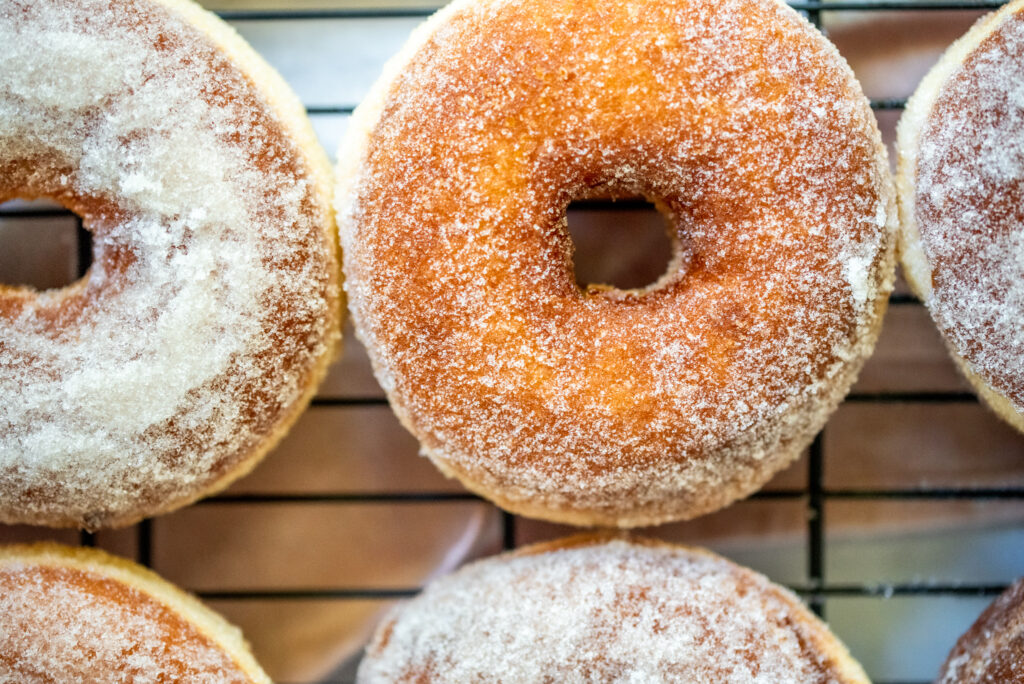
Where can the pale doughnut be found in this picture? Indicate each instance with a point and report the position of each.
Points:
(961, 187)
(741, 122)
(83, 616)
(212, 307)
(591, 609)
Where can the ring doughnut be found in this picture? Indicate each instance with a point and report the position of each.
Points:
(81, 615)
(961, 189)
(992, 650)
(212, 306)
(592, 609)
(603, 406)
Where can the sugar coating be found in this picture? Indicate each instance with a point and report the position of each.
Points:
(70, 626)
(209, 302)
(992, 650)
(965, 205)
(610, 612)
(615, 407)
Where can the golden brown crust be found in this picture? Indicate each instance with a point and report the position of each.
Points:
(81, 615)
(597, 595)
(992, 650)
(217, 427)
(609, 407)
(960, 201)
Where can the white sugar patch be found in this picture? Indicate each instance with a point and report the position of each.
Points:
(969, 208)
(55, 629)
(859, 264)
(147, 389)
(858, 274)
(613, 612)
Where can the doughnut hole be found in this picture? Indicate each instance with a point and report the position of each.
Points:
(43, 245)
(623, 245)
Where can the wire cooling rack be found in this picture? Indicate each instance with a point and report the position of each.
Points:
(808, 489)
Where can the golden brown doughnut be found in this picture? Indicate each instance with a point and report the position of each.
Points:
(992, 650)
(596, 609)
(80, 615)
(610, 407)
(961, 187)
(212, 306)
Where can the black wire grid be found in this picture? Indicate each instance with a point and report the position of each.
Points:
(814, 494)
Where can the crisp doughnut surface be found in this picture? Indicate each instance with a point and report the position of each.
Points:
(79, 615)
(212, 306)
(992, 650)
(961, 185)
(592, 609)
(604, 406)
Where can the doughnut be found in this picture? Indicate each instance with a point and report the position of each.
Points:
(596, 609)
(213, 303)
(961, 191)
(601, 406)
(992, 650)
(80, 615)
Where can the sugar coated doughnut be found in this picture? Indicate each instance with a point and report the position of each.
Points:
(213, 303)
(80, 615)
(592, 609)
(961, 187)
(992, 650)
(598, 405)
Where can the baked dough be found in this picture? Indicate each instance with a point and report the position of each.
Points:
(961, 186)
(992, 650)
(595, 609)
(213, 303)
(83, 616)
(610, 407)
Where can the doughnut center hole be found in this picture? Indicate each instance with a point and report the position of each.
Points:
(623, 244)
(43, 245)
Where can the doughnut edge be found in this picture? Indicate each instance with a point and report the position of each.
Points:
(825, 642)
(829, 644)
(208, 622)
(352, 152)
(916, 268)
(990, 626)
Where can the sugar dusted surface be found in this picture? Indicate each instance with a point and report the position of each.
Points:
(968, 207)
(612, 612)
(71, 626)
(992, 650)
(616, 407)
(209, 303)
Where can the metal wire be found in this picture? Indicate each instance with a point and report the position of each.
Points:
(808, 6)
